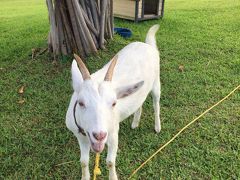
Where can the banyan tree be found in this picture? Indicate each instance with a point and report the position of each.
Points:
(79, 26)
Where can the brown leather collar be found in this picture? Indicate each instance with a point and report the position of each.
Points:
(80, 129)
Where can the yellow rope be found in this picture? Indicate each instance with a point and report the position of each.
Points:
(97, 170)
(154, 154)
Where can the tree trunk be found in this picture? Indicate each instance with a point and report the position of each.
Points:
(79, 26)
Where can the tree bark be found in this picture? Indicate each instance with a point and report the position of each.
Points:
(79, 26)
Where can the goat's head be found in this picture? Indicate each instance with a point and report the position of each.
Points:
(96, 102)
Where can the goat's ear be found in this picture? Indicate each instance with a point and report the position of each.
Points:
(76, 76)
(128, 90)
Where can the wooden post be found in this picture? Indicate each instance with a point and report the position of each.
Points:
(79, 26)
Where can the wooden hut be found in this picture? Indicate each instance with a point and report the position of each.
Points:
(138, 10)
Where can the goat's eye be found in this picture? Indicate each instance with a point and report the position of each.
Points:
(114, 103)
(81, 104)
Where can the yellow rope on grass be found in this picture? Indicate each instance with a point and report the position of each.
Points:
(97, 170)
(185, 127)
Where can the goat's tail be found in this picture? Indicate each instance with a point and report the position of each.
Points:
(150, 38)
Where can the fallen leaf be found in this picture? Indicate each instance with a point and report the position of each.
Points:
(33, 53)
(181, 68)
(54, 62)
(43, 51)
(21, 101)
(21, 90)
(208, 63)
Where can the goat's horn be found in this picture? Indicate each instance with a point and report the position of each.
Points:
(109, 74)
(84, 71)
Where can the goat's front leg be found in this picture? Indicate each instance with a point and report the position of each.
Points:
(111, 156)
(84, 157)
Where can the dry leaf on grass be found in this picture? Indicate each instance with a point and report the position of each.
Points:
(21, 90)
(54, 62)
(43, 51)
(21, 101)
(33, 53)
(181, 68)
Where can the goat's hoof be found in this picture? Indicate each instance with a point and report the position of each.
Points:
(133, 126)
(85, 178)
(113, 177)
(158, 129)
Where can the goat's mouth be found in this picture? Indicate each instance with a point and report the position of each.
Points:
(97, 147)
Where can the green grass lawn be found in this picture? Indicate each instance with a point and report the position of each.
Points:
(201, 35)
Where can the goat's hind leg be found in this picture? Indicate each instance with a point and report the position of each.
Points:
(136, 118)
(156, 92)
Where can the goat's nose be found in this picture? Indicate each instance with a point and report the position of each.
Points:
(99, 136)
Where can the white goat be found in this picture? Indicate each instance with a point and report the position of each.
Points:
(101, 100)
